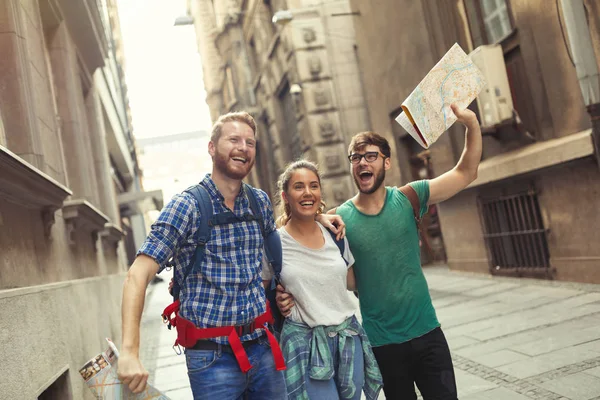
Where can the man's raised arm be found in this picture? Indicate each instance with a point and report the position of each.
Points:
(447, 185)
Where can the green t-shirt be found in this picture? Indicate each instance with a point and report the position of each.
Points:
(394, 297)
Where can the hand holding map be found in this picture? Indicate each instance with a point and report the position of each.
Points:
(100, 375)
(453, 80)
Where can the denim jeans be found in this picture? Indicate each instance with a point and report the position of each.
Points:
(327, 390)
(425, 361)
(215, 374)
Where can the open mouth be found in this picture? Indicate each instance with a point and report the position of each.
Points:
(307, 203)
(240, 159)
(365, 176)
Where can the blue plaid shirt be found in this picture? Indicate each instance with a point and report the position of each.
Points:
(228, 289)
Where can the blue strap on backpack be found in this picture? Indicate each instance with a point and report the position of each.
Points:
(341, 244)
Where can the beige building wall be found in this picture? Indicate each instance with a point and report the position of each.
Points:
(550, 154)
(300, 81)
(65, 154)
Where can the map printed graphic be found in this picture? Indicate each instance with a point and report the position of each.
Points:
(426, 112)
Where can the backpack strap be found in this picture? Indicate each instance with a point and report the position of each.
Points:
(272, 241)
(341, 244)
(413, 197)
(202, 235)
(251, 194)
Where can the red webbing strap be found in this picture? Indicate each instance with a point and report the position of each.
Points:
(191, 334)
(171, 309)
(276, 350)
(209, 333)
(239, 352)
(267, 318)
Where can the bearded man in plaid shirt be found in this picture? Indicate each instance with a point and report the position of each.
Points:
(227, 291)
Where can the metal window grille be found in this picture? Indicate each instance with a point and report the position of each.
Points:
(514, 233)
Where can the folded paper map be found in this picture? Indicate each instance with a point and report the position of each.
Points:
(100, 375)
(453, 80)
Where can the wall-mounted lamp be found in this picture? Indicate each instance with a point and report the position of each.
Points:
(184, 20)
(295, 89)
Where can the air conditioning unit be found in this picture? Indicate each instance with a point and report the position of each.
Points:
(495, 100)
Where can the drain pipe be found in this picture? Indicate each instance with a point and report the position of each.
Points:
(582, 50)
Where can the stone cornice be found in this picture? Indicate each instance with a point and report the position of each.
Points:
(79, 214)
(535, 157)
(112, 233)
(22, 183)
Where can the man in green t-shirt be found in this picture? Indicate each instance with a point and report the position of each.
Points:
(396, 307)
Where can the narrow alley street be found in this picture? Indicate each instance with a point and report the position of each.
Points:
(511, 339)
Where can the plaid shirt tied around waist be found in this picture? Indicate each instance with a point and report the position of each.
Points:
(228, 289)
(308, 357)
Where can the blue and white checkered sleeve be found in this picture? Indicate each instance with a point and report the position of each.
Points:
(170, 230)
(267, 211)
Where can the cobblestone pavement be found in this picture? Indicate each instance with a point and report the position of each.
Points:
(520, 338)
(511, 339)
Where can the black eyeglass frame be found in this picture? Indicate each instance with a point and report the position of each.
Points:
(372, 154)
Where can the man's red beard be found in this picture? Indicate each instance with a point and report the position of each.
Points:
(222, 164)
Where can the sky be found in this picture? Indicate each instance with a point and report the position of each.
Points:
(163, 69)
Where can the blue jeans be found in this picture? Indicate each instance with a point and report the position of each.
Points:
(215, 374)
(327, 390)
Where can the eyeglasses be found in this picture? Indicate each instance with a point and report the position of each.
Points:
(370, 156)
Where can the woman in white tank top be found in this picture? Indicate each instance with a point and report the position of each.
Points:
(326, 349)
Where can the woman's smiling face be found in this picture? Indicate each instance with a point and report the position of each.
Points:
(303, 194)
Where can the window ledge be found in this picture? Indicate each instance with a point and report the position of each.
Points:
(111, 236)
(112, 233)
(81, 215)
(535, 157)
(23, 184)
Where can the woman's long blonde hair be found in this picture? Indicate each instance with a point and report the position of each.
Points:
(283, 185)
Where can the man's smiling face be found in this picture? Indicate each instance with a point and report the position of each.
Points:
(235, 150)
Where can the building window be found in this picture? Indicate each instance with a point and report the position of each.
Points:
(490, 20)
(496, 19)
(514, 231)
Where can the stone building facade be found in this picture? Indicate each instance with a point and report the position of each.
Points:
(67, 158)
(532, 210)
(300, 81)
